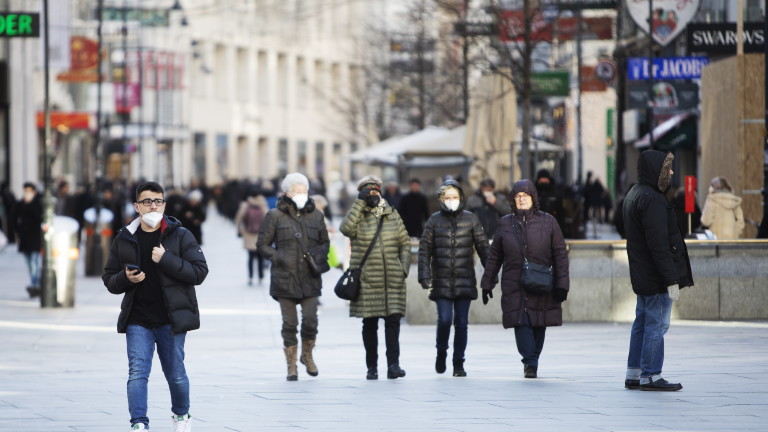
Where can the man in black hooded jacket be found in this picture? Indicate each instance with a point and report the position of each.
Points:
(658, 268)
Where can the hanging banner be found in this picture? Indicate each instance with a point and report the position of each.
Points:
(667, 96)
(669, 17)
(666, 68)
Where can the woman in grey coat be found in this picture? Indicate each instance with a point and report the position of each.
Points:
(295, 220)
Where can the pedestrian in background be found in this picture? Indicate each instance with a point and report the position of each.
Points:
(489, 206)
(722, 212)
(193, 214)
(382, 292)
(527, 233)
(28, 221)
(447, 269)
(392, 194)
(413, 208)
(248, 220)
(293, 283)
(155, 263)
(658, 267)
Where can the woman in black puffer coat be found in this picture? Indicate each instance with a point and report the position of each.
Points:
(447, 269)
(529, 314)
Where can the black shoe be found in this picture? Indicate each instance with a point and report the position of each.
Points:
(631, 384)
(33, 291)
(395, 372)
(530, 371)
(372, 374)
(458, 368)
(661, 385)
(440, 361)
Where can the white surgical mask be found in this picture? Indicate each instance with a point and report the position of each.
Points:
(152, 218)
(300, 200)
(452, 205)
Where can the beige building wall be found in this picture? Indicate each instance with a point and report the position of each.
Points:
(732, 130)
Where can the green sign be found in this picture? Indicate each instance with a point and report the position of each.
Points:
(552, 83)
(19, 24)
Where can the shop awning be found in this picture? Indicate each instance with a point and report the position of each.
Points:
(677, 132)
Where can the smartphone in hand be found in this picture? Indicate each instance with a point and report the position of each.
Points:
(134, 268)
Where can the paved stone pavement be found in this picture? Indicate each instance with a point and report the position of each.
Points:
(65, 369)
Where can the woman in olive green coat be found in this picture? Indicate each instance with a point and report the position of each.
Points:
(382, 292)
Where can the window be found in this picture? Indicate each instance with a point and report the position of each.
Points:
(262, 92)
(199, 155)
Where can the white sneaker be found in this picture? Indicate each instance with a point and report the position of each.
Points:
(182, 423)
(139, 426)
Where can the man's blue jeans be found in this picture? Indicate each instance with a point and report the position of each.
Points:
(33, 267)
(454, 312)
(646, 343)
(141, 343)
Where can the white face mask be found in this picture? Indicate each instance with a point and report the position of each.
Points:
(452, 205)
(152, 218)
(300, 200)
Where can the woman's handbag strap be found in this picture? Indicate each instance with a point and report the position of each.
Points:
(370, 247)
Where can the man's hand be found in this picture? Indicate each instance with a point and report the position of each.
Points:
(674, 292)
(133, 276)
(157, 253)
(486, 295)
(426, 284)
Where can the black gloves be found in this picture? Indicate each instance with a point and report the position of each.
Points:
(426, 284)
(559, 294)
(486, 295)
(364, 192)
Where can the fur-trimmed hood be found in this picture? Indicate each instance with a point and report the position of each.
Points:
(653, 169)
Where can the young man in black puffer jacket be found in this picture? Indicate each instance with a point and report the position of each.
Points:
(447, 269)
(156, 263)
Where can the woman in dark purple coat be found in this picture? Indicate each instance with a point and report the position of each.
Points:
(529, 314)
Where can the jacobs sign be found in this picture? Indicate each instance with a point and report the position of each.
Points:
(666, 68)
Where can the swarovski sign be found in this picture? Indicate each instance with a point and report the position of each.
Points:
(666, 68)
(721, 38)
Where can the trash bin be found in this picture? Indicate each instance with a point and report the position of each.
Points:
(98, 235)
(65, 253)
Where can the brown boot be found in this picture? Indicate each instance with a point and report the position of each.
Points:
(290, 358)
(306, 356)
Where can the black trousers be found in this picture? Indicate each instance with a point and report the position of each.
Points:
(391, 338)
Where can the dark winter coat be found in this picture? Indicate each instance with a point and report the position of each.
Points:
(291, 276)
(544, 245)
(658, 256)
(488, 214)
(382, 279)
(414, 210)
(182, 267)
(447, 249)
(27, 221)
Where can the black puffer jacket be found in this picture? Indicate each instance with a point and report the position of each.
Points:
(291, 277)
(447, 249)
(658, 256)
(182, 267)
(544, 245)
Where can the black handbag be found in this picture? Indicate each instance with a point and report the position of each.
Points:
(316, 258)
(534, 278)
(348, 287)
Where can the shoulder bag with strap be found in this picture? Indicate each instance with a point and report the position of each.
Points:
(348, 287)
(534, 278)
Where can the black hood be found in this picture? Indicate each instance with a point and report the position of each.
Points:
(462, 200)
(653, 169)
(528, 187)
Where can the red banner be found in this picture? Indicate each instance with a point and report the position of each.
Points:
(512, 28)
(690, 194)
